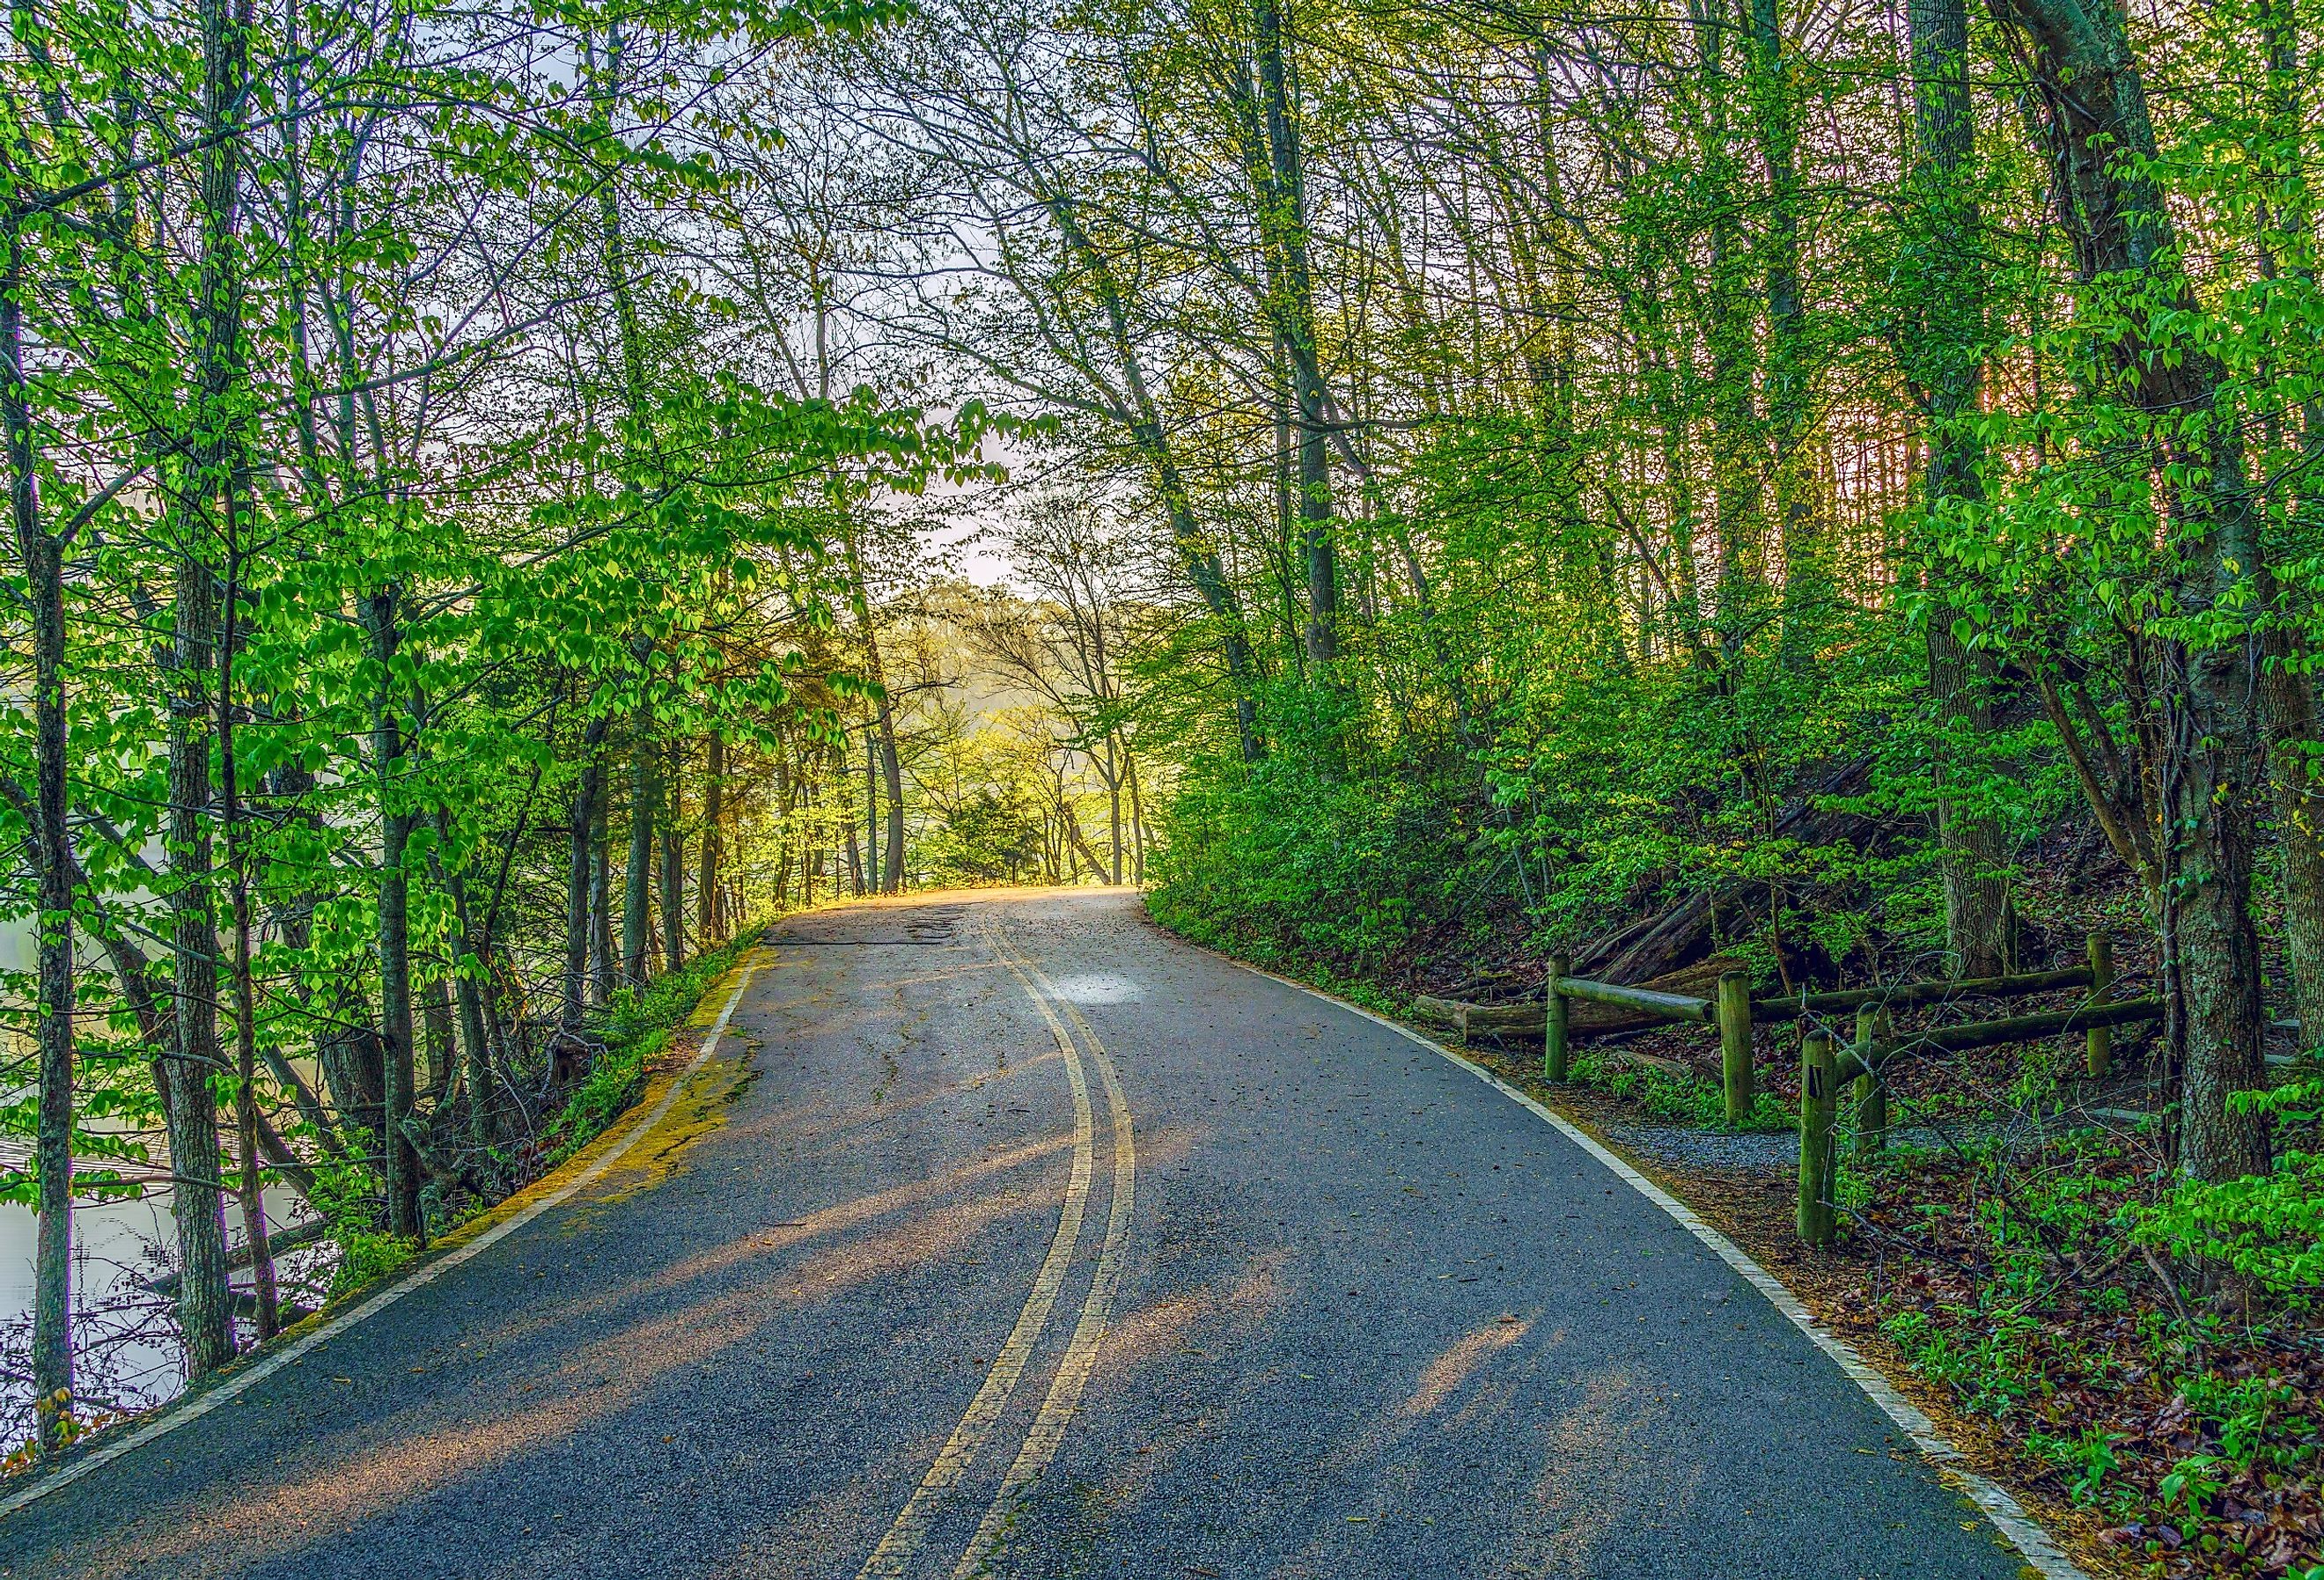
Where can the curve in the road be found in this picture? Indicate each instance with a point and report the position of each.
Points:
(1349, 1314)
(1057, 1413)
(905, 1537)
(2007, 1514)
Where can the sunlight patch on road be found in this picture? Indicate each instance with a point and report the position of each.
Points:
(1445, 1375)
(922, 1197)
(374, 1468)
(1602, 1440)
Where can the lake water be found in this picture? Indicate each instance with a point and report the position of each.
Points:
(130, 1353)
(128, 1348)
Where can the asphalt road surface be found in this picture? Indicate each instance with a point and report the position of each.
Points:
(1007, 1235)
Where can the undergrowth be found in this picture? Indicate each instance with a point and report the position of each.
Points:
(635, 1029)
(2027, 1283)
(1661, 1095)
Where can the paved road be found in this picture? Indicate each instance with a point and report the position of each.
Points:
(1036, 1244)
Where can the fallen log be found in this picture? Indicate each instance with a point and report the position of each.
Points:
(1682, 934)
(279, 1241)
(1518, 1020)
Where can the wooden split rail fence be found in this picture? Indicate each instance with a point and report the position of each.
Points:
(1735, 1012)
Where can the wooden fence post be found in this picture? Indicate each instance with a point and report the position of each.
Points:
(1817, 1103)
(1553, 1021)
(2098, 1044)
(1735, 1044)
(1872, 1029)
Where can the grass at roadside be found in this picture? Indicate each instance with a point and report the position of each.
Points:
(1672, 1099)
(638, 1027)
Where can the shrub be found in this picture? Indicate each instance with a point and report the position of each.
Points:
(2267, 1227)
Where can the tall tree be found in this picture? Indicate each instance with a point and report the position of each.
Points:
(1943, 343)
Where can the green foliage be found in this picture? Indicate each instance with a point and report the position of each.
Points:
(2088, 1457)
(367, 1255)
(1989, 1355)
(2267, 1227)
(991, 838)
(2256, 1420)
(615, 1078)
(347, 1196)
(1286, 862)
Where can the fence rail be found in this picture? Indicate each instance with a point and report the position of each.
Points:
(1821, 1070)
(1736, 1011)
(1779, 1008)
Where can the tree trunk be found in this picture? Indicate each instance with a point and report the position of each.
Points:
(1137, 816)
(871, 810)
(2289, 697)
(1283, 222)
(810, 857)
(891, 879)
(252, 1188)
(714, 809)
(1727, 333)
(601, 907)
(1807, 583)
(673, 864)
(205, 1299)
(205, 1303)
(783, 819)
(384, 622)
(1943, 353)
(43, 559)
(467, 962)
(637, 898)
(1113, 814)
(2211, 757)
(891, 769)
(579, 825)
(2217, 945)
(1969, 838)
(1197, 553)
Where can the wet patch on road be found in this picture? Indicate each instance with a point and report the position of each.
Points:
(1096, 988)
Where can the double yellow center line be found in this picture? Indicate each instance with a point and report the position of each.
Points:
(908, 1534)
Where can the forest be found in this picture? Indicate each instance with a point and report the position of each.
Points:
(505, 499)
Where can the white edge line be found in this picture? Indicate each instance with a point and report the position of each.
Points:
(426, 1272)
(2037, 1547)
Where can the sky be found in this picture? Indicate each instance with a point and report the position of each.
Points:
(977, 516)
